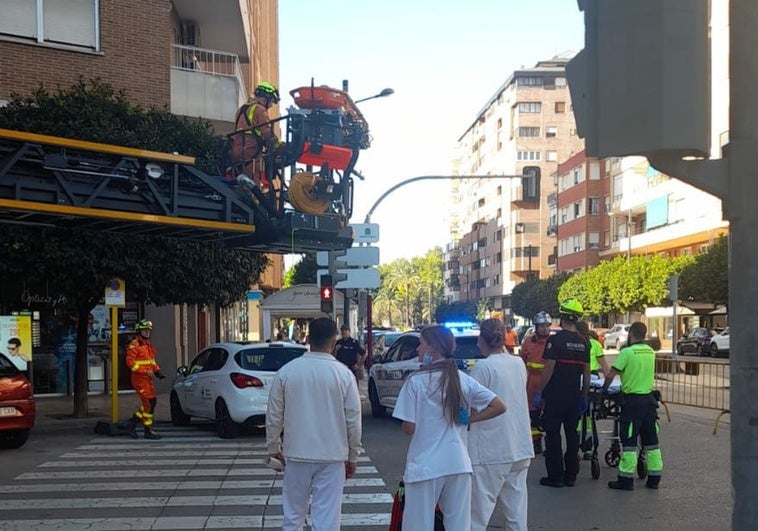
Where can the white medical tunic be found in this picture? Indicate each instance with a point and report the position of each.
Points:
(437, 449)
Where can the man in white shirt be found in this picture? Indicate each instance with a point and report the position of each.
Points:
(314, 399)
(501, 448)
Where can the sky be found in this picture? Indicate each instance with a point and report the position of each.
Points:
(444, 59)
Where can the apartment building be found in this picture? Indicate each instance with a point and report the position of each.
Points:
(198, 59)
(502, 231)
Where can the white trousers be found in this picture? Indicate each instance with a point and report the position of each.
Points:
(452, 493)
(321, 484)
(503, 482)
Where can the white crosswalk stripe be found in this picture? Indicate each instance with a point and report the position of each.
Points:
(186, 480)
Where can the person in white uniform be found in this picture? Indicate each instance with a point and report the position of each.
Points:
(436, 404)
(501, 448)
(314, 399)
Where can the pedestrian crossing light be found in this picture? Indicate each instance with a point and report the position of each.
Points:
(327, 294)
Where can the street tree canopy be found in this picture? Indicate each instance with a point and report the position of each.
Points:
(78, 263)
(706, 279)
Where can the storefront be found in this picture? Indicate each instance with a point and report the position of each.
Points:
(45, 328)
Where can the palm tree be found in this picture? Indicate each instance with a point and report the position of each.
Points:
(402, 278)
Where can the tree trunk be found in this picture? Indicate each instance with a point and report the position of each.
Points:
(81, 365)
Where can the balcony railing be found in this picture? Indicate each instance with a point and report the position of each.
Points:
(206, 83)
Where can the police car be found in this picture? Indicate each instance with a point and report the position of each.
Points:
(391, 369)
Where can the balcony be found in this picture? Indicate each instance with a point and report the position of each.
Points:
(206, 83)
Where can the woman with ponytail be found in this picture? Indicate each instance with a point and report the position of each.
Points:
(436, 405)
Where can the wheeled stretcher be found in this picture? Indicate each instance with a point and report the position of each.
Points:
(606, 407)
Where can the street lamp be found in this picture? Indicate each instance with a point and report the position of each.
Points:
(382, 94)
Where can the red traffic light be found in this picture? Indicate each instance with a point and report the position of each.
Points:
(326, 293)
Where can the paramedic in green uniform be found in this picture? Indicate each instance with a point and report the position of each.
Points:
(636, 366)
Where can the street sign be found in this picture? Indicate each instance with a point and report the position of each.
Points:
(365, 232)
(359, 278)
(360, 256)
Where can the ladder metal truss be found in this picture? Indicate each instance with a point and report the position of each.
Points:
(59, 182)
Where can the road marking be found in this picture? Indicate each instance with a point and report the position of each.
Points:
(93, 474)
(179, 522)
(171, 485)
(172, 501)
(172, 453)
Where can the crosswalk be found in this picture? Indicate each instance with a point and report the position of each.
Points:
(187, 480)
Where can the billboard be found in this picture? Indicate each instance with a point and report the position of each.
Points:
(16, 339)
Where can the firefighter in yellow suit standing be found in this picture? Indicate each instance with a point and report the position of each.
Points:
(140, 359)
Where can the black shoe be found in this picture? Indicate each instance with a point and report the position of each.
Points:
(621, 484)
(652, 482)
(547, 482)
(569, 481)
(150, 434)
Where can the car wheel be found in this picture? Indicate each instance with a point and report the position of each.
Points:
(679, 350)
(714, 350)
(226, 428)
(178, 416)
(700, 351)
(377, 410)
(11, 440)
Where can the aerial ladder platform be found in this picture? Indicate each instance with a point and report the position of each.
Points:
(63, 182)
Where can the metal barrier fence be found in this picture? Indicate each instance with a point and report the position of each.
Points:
(693, 383)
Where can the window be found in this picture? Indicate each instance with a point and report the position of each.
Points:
(563, 248)
(74, 22)
(560, 82)
(593, 240)
(530, 107)
(551, 156)
(607, 201)
(579, 209)
(551, 131)
(529, 155)
(578, 174)
(529, 81)
(529, 131)
(499, 123)
(560, 106)
(687, 251)
(564, 214)
(594, 171)
(594, 206)
(578, 242)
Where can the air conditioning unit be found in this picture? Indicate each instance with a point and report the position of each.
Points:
(190, 34)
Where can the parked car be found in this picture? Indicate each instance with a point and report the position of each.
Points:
(616, 336)
(229, 383)
(720, 343)
(696, 341)
(390, 370)
(17, 407)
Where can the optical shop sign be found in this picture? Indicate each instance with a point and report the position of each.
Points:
(16, 339)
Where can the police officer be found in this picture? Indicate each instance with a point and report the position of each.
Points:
(636, 366)
(565, 385)
(349, 351)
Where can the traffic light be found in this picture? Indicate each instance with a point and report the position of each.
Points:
(642, 83)
(327, 294)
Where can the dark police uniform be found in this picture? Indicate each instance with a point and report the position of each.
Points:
(349, 351)
(562, 396)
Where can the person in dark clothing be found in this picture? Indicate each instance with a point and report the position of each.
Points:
(565, 385)
(349, 351)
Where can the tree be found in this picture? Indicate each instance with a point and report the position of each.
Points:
(79, 263)
(537, 295)
(707, 278)
(303, 272)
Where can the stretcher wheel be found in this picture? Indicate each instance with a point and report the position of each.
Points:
(595, 468)
(612, 458)
(641, 466)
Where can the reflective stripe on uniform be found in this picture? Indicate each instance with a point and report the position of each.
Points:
(534, 365)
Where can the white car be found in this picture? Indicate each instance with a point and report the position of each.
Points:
(229, 383)
(720, 343)
(390, 370)
(617, 336)
(384, 342)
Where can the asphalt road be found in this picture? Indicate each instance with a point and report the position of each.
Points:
(67, 478)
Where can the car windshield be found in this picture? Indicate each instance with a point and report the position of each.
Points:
(466, 348)
(390, 338)
(267, 359)
(7, 368)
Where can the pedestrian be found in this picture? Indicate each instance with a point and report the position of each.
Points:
(531, 352)
(635, 364)
(140, 359)
(511, 339)
(565, 385)
(350, 352)
(255, 134)
(500, 448)
(597, 362)
(436, 405)
(314, 400)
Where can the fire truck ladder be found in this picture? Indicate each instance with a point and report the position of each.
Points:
(61, 182)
